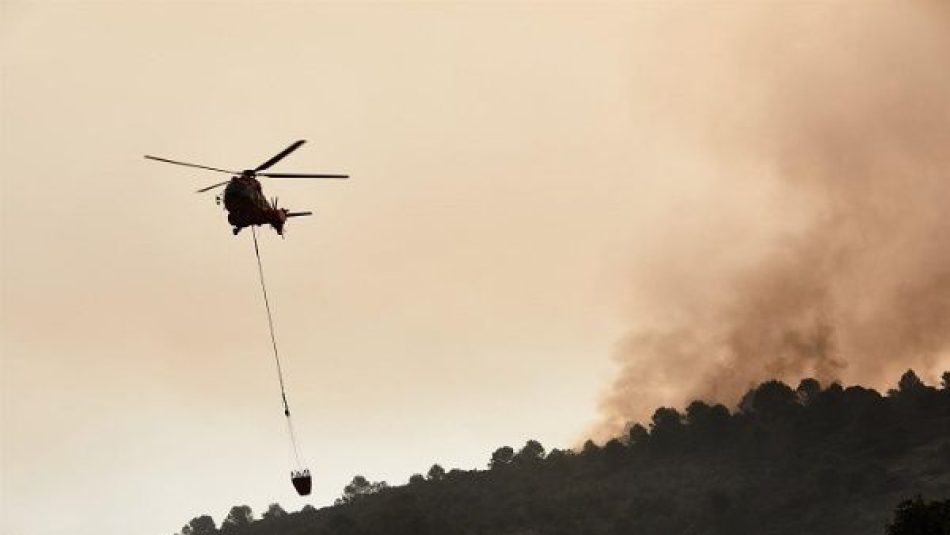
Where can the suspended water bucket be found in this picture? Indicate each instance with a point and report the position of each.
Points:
(302, 481)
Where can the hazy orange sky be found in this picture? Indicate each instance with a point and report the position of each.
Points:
(527, 180)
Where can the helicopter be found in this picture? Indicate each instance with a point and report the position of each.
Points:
(244, 198)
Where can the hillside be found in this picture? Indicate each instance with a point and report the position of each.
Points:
(806, 460)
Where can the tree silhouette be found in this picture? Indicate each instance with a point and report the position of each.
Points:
(436, 473)
(590, 449)
(202, 525)
(771, 398)
(910, 383)
(637, 435)
(558, 457)
(532, 452)
(501, 457)
(665, 426)
(696, 412)
(416, 479)
(808, 390)
(360, 487)
(666, 418)
(238, 517)
(274, 510)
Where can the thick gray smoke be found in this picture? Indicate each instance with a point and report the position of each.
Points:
(853, 125)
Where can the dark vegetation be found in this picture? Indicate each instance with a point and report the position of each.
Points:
(917, 517)
(787, 461)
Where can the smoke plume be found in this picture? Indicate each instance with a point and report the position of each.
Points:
(848, 121)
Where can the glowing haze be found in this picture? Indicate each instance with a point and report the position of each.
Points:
(731, 192)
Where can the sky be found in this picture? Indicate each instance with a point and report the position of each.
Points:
(534, 187)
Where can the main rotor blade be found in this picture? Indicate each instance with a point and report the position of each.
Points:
(280, 156)
(300, 175)
(156, 158)
(218, 185)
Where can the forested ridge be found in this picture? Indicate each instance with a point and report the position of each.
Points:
(805, 460)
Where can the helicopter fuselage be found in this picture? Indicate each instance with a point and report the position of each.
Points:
(246, 205)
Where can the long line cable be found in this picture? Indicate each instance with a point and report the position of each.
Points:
(273, 341)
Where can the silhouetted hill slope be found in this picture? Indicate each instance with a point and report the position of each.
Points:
(809, 460)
